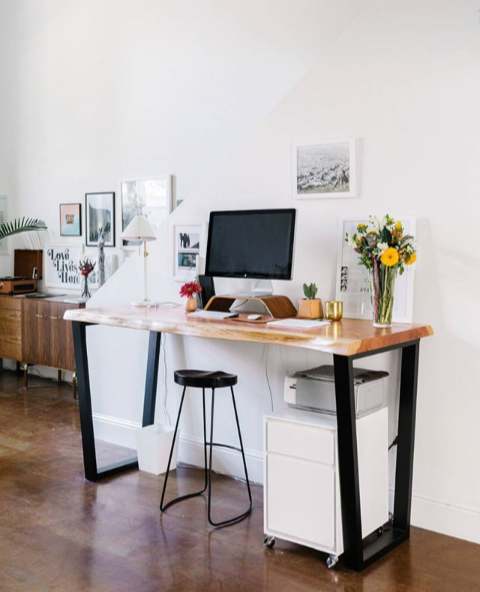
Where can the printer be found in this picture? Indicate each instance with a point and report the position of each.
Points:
(314, 390)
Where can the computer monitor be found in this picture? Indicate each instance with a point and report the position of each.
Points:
(256, 244)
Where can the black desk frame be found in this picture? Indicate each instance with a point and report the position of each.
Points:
(358, 554)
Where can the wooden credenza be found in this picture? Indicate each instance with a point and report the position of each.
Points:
(33, 331)
(10, 328)
(46, 336)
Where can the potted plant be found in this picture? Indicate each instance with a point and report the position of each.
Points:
(310, 307)
(188, 291)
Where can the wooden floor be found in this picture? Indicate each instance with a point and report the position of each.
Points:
(60, 533)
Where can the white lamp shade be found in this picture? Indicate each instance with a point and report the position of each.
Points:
(139, 229)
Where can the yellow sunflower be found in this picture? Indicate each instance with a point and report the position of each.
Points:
(389, 257)
(411, 259)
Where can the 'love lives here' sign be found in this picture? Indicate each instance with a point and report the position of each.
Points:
(61, 266)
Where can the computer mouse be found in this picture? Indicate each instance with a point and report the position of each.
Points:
(254, 317)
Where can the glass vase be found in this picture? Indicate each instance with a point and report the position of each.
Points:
(382, 286)
(85, 291)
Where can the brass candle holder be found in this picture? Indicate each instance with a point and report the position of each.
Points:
(334, 310)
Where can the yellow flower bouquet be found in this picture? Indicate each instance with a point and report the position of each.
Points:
(384, 249)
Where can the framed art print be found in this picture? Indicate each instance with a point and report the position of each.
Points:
(151, 198)
(71, 219)
(3, 219)
(353, 282)
(323, 169)
(188, 245)
(100, 213)
(61, 266)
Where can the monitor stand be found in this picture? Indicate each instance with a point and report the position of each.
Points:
(258, 288)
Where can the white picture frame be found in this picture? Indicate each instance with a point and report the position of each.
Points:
(150, 197)
(4, 244)
(188, 244)
(352, 284)
(61, 266)
(323, 169)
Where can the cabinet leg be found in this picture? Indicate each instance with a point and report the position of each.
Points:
(1, 365)
(25, 375)
(74, 385)
(59, 375)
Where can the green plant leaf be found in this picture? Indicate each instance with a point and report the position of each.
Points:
(20, 225)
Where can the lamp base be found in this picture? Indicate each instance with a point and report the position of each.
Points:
(144, 303)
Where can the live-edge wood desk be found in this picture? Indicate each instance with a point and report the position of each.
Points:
(347, 340)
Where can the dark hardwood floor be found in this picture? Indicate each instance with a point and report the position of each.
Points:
(60, 533)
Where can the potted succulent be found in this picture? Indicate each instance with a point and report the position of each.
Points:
(310, 307)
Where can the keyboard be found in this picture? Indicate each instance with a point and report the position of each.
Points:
(212, 314)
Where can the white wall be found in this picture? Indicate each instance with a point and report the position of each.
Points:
(8, 111)
(403, 78)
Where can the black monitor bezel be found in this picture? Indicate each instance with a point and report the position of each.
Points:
(214, 273)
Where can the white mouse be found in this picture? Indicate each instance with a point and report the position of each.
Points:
(254, 317)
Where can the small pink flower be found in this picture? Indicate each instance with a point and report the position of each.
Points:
(189, 289)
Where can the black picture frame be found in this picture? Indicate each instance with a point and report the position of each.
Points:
(100, 212)
(70, 222)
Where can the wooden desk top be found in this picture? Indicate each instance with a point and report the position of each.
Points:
(347, 337)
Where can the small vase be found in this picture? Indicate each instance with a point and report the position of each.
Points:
(85, 291)
(382, 286)
(191, 304)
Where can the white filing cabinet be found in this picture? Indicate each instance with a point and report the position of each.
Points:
(302, 492)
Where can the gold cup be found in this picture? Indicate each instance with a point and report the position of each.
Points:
(334, 310)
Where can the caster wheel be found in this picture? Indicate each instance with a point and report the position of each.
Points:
(379, 531)
(331, 561)
(269, 542)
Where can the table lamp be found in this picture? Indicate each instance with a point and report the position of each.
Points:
(140, 230)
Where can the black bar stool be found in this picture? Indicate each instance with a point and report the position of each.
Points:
(204, 380)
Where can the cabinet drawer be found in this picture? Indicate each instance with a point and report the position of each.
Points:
(301, 441)
(300, 501)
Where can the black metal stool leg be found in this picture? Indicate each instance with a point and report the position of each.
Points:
(189, 495)
(240, 517)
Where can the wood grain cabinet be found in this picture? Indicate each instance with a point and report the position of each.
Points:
(46, 337)
(10, 328)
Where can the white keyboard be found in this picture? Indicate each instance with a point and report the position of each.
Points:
(212, 314)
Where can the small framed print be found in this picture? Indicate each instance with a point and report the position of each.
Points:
(324, 169)
(100, 213)
(71, 219)
(189, 244)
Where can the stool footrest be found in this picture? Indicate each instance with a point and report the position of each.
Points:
(218, 445)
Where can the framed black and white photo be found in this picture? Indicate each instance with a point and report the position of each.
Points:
(61, 266)
(324, 169)
(150, 198)
(71, 219)
(100, 213)
(353, 281)
(188, 245)
(3, 218)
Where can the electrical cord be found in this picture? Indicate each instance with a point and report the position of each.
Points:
(165, 396)
(267, 347)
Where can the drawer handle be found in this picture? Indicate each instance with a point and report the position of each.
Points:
(39, 316)
(54, 318)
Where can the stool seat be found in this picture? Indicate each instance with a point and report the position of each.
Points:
(205, 379)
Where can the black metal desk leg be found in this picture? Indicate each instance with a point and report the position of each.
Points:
(85, 401)
(348, 462)
(152, 378)
(406, 437)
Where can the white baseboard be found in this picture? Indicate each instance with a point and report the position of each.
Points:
(225, 461)
(445, 518)
(115, 431)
